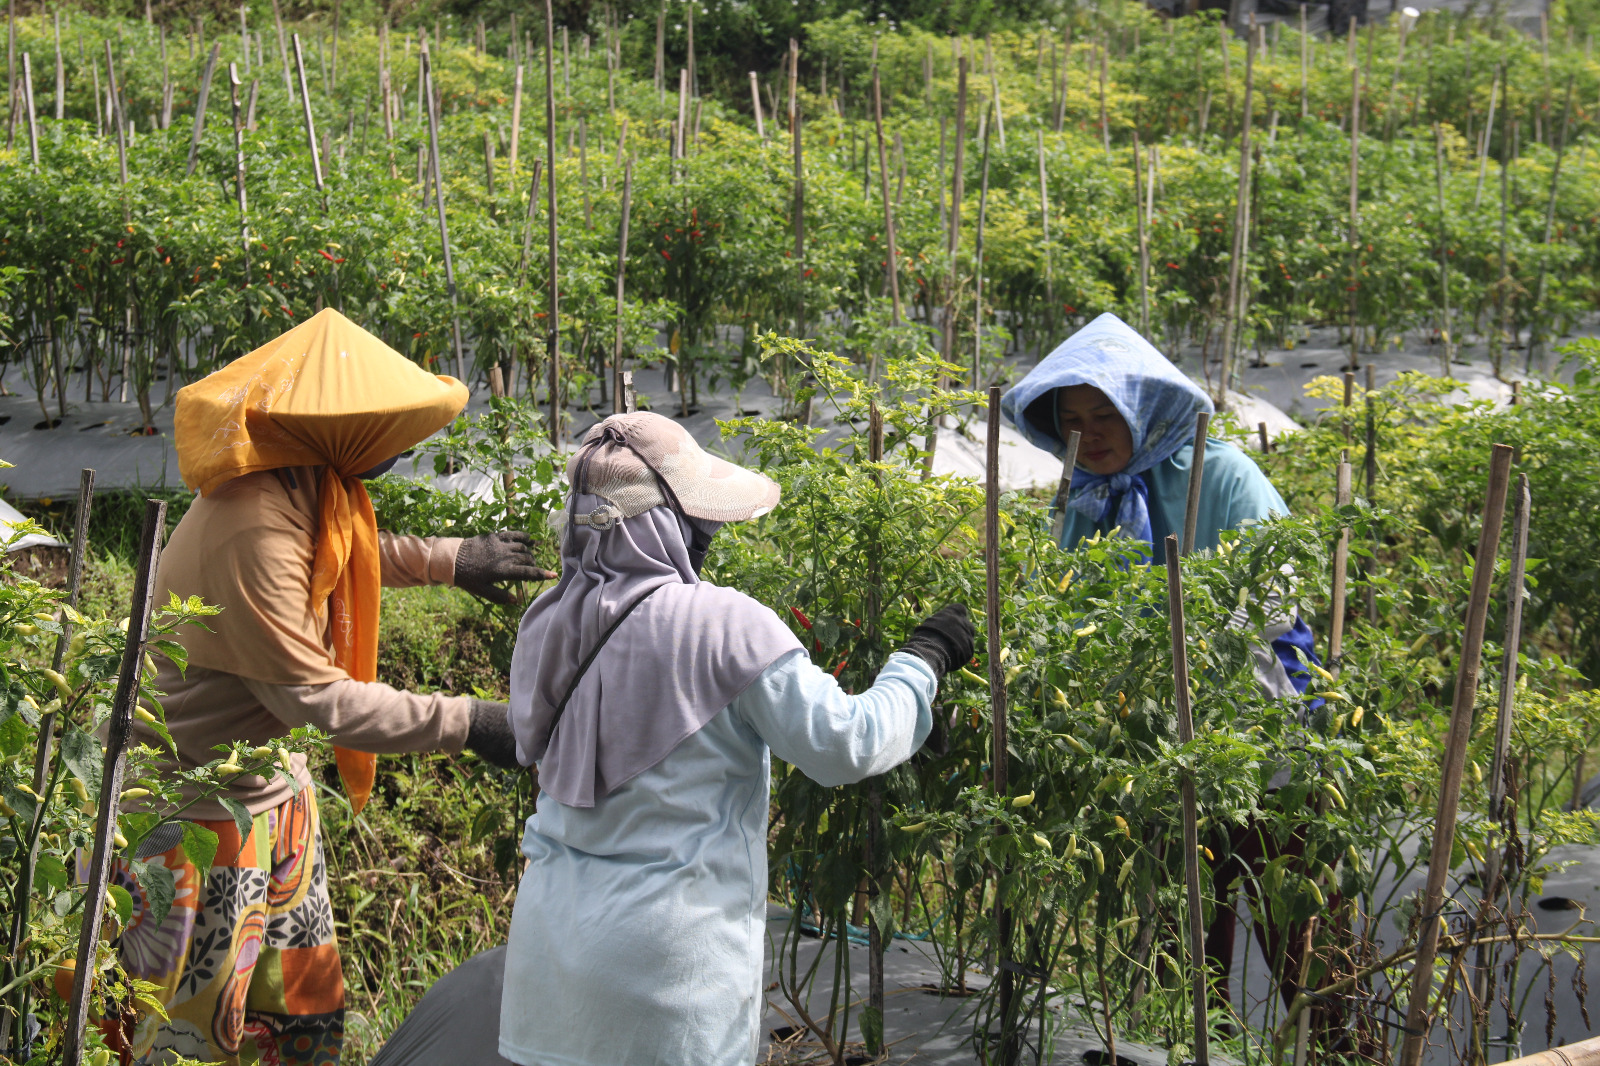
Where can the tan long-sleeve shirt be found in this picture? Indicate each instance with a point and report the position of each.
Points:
(207, 706)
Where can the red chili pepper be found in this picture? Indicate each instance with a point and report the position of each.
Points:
(837, 670)
(326, 256)
(800, 616)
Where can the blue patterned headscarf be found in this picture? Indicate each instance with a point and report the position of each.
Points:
(1157, 400)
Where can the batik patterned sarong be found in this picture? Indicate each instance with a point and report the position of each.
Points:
(247, 960)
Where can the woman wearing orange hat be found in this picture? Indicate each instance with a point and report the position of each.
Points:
(283, 538)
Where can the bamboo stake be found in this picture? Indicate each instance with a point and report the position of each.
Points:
(283, 51)
(661, 51)
(1483, 144)
(583, 171)
(1266, 444)
(1371, 463)
(527, 226)
(238, 169)
(957, 193)
(200, 106)
(1494, 852)
(516, 127)
(618, 399)
(16, 960)
(1197, 465)
(437, 175)
(1191, 831)
(1058, 507)
(1305, 101)
(630, 401)
(61, 71)
(888, 207)
(999, 758)
(799, 208)
(27, 102)
(114, 116)
(679, 131)
(1444, 252)
(1241, 237)
(244, 38)
(310, 123)
(1044, 222)
(1105, 122)
(1355, 210)
(1536, 343)
(1419, 1020)
(755, 101)
(977, 256)
(553, 345)
(1144, 242)
(118, 730)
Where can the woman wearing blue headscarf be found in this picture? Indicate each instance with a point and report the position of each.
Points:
(1136, 414)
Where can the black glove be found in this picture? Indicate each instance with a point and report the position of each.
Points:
(483, 562)
(490, 734)
(944, 639)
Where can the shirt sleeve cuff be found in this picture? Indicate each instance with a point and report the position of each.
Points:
(442, 560)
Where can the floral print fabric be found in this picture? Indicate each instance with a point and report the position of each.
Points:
(246, 957)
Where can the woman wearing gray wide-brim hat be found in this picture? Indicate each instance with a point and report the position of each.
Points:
(649, 700)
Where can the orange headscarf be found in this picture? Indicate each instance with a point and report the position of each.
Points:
(326, 393)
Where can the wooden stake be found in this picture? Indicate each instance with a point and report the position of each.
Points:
(888, 207)
(618, 399)
(1419, 1020)
(16, 959)
(1191, 833)
(238, 168)
(115, 117)
(61, 72)
(1494, 850)
(999, 756)
(283, 52)
(1044, 221)
(310, 123)
(516, 127)
(1355, 211)
(977, 255)
(1371, 463)
(118, 730)
(1483, 141)
(1197, 467)
(438, 200)
(27, 103)
(553, 344)
(1266, 444)
(200, 106)
(1058, 507)
(799, 208)
(755, 102)
(1231, 327)
(527, 226)
(1445, 331)
(957, 193)
(1144, 242)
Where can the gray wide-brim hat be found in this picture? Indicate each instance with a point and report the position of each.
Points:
(643, 460)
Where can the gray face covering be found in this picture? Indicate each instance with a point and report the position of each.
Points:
(697, 535)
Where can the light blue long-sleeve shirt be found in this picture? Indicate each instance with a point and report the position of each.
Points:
(638, 929)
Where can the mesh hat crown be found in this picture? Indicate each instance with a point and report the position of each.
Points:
(625, 458)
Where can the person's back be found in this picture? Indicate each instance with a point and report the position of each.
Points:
(650, 701)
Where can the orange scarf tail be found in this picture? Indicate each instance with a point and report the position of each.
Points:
(347, 576)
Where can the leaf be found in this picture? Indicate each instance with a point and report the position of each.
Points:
(25, 805)
(14, 735)
(488, 820)
(200, 845)
(122, 902)
(172, 650)
(241, 817)
(160, 888)
(872, 1029)
(84, 757)
(50, 875)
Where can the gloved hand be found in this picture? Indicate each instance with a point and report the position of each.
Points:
(490, 736)
(944, 639)
(485, 561)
